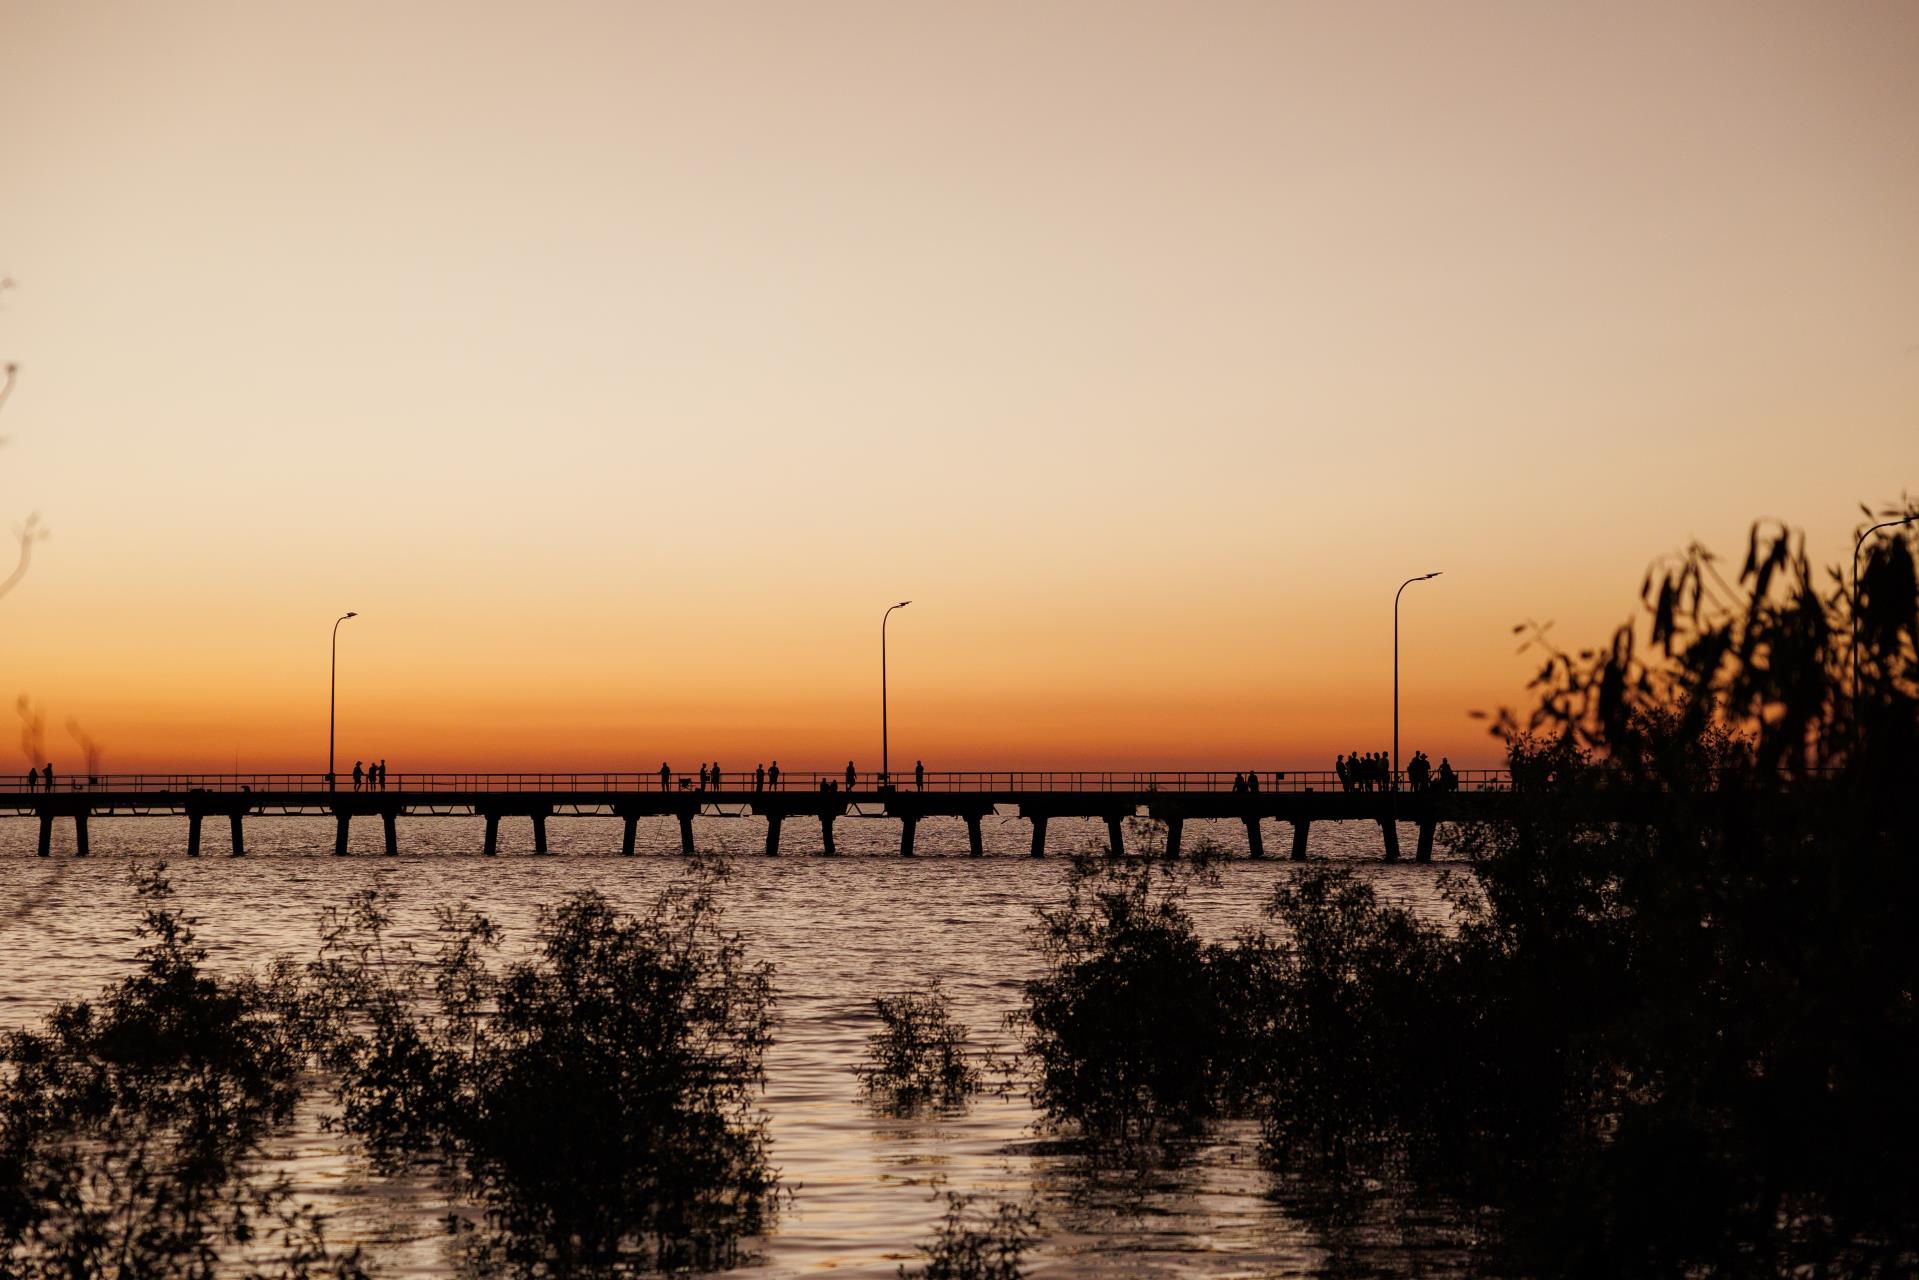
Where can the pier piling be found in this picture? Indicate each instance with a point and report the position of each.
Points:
(539, 833)
(235, 821)
(1389, 830)
(1425, 851)
(341, 820)
(1255, 840)
(773, 821)
(80, 834)
(629, 830)
(1175, 828)
(907, 826)
(390, 820)
(492, 848)
(1300, 827)
(46, 835)
(975, 845)
(1115, 835)
(193, 835)
(826, 835)
(686, 834)
(1039, 836)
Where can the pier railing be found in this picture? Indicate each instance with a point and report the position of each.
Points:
(732, 782)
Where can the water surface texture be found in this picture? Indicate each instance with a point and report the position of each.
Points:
(840, 931)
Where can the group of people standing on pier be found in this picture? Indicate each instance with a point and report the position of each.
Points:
(369, 777)
(767, 778)
(34, 777)
(1373, 771)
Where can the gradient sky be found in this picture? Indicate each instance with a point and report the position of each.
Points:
(619, 364)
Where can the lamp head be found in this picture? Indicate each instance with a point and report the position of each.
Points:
(1434, 574)
(902, 604)
(351, 614)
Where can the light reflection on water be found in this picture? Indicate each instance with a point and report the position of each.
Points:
(839, 931)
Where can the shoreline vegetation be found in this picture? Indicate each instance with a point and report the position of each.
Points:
(1678, 1045)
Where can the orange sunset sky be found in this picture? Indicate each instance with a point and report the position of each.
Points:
(620, 363)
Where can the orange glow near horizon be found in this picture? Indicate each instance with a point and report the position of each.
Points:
(621, 363)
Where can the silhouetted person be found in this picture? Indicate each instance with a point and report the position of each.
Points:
(1448, 780)
(919, 775)
(666, 776)
(716, 775)
(759, 778)
(1418, 769)
(383, 773)
(33, 779)
(47, 773)
(1339, 771)
(1252, 780)
(852, 777)
(702, 775)
(359, 775)
(1239, 783)
(773, 776)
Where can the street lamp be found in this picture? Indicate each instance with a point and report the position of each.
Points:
(333, 684)
(1857, 544)
(886, 774)
(1394, 783)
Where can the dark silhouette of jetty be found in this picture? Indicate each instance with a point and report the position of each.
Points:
(1296, 798)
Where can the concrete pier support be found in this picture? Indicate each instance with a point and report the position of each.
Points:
(193, 835)
(1115, 836)
(1425, 850)
(1255, 839)
(237, 823)
(492, 848)
(1300, 827)
(1175, 828)
(773, 821)
(539, 833)
(908, 825)
(341, 820)
(686, 834)
(1039, 836)
(1389, 831)
(391, 821)
(826, 835)
(975, 844)
(629, 833)
(80, 834)
(46, 835)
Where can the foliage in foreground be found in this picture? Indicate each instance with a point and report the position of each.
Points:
(918, 1056)
(130, 1125)
(1676, 1024)
(597, 1099)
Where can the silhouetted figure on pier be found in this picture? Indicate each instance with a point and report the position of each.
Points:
(1252, 780)
(702, 775)
(359, 775)
(1340, 772)
(1418, 771)
(852, 776)
(383, 773)
(919, 775)
(1448, 780)
(33, 779)
(47, 775)
(1239, 783)
(666, 776)
(773, 776)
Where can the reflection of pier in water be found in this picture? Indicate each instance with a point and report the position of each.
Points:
(1169, 797)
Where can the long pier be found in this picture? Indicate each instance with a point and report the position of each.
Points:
(1170, 797)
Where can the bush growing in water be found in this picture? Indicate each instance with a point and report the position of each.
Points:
(918, 1055)
(598, 1098)
(1128, 1025)
(128, 1124)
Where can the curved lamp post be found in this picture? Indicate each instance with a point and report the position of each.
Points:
(1402, 586)
(333, 685)
(886, 773)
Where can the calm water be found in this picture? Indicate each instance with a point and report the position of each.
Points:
(840, 931)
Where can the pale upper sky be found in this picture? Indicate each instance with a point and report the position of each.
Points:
(620, 363)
